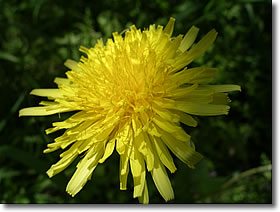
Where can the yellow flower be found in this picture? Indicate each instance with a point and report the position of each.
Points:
(131, 94)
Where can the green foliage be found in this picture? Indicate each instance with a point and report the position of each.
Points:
(37, 36)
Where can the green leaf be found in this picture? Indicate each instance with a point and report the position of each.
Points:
(28, 160)
(9, 57)
(23, 157)
(2, 124)
(17, 103)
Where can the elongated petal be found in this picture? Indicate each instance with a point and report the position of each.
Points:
(144, 199)
(181, 92)
(122, 140)
(202, 96)
(220, 99)
(71, 64)
(62, 81)
(196, 51)
(84, 171)
(182, 150)
(146, 151)
(185, 118)
(66, 159)
(195, 75)
(203, 109)
(223, 88)
(108, 150)
(203, 44)
(61, 164)
(189, 38)
(162, 181)
(165, 114)
(138, 171)
(170, 127)
(164, 154)
(54, 93)
(123, 171)
(195, 108)
(169, 27)
(42, 111)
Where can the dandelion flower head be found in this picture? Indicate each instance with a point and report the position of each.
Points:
(132, 94)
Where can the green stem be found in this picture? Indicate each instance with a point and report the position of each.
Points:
(226, 186)
(247, 173)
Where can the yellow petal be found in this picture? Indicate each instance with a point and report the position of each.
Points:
(83, 131)
(62, 81)
(162, 181)
(189, 38)
(66, 159)
(138, 171)
(170, 127)
(59, 144)
(140, 144)
(104, 133)
(222, 88)
(87, 144)
(125, 151)
(123, 138)
(54, 93)
(152, 130)
(181, 92)
(84, 49)
(196, 51)
(71, 64)
(84, 170)
(170, 49)
(65, 124)
(198, 75)
(62, 141)
(185, 118)
(149, 157)
(51, 130)
(108, 150)
(61, 164)
(202, 109)
(84, 116)
(169, 27)
(42, 111)
(165, 114)
(164, 154)
(203, 44)
(202, 96)
(182, 150)
(123, 171)
(51, 149)
(195, 108)
(144, 199)
(220, 99)
(143, 144)
(47, 103)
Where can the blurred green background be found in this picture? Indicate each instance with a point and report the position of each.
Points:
(37, 36)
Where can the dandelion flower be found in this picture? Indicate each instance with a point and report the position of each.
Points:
(131, 94)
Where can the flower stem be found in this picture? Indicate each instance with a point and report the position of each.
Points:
(247, 173)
